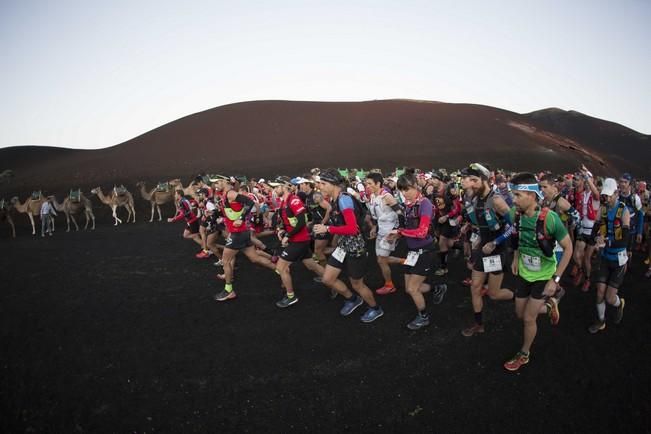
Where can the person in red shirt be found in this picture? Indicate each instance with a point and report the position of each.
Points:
(236, 208)
(187, 209)
(295, 240)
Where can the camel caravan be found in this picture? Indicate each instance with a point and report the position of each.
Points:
(76, 205)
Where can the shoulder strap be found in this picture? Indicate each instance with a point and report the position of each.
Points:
(541, 227)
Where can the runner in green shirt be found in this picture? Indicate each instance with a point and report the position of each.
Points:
(534, 262)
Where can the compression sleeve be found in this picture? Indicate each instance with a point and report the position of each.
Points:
(300, 223)
(350, 226)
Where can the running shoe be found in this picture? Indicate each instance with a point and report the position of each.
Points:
(441, 272)
(372, 314)
(519, 360)
(552, 310)
(419, 322)
(350, 305)
(202, 255)
(286, 302)
(225, 295)
(386, 289)
(438, 292)
(219, 263)
(619, 314)
(597, 327)
(473, 330)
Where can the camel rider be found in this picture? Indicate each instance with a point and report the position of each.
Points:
(612, 233)
(188, 210)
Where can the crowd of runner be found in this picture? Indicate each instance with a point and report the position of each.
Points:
(539, 227)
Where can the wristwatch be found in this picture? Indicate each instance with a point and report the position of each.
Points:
(556, 278)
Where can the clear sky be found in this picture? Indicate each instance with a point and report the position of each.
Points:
(86, 74)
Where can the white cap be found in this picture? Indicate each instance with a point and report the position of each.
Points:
(609, 187)
(210, 206)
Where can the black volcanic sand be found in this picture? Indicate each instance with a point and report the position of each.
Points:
(117, 331)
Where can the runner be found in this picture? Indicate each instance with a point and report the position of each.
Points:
(612, 235)
(491, 228)
(295, 240)
(634, 204)
(586, 202)
(319, 213)
(187, 209)
(351, 252)
(448, 211)
(236, 211)
(384, 210)
(534, 264)
(420, 245)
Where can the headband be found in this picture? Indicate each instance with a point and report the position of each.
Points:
(533, 188)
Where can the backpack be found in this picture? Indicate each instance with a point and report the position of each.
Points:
(544, 240)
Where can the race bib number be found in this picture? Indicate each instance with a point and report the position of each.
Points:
(622, 258)
(492, 263)
(474, 240)
(531, 263)
(412, 258)
(453, 222)
(339, 254)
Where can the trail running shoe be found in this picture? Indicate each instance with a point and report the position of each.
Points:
(441, 272)
(225, 295)
(438, 292)
(519, 360)
(219, 263)
(473, 330)
(597, 327)
(385, 290)
(286, 301)
(351, 305)
(552, 311)
(419, 322)
(202, 255)
(620, 311)
(372, 314)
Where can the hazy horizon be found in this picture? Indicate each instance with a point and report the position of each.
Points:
(88, 76)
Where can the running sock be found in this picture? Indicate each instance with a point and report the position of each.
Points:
(423, 314)
(228, 287)
(618, 301)
(290, 294)
(478, 318)
(444, 259)
(601, 311)
(389, 283)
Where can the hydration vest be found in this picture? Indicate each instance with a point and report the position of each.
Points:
(482, 214)
(542, 237)
(291, 217)
(592, 214)
(611, 223)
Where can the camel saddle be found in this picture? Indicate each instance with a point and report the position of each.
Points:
(36, 195)
(75, 195)
(164, 187)
(119, 191)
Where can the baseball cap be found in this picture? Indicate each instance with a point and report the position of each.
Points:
(609, 187)
(627, 176)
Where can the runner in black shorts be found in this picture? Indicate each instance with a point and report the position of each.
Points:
(351, 249)
(187, 209)
(420, 245)
(295, 240)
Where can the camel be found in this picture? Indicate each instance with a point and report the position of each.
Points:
(190, 190)
(31, 207)
(157, 198)
(117, 200)
(72, 206)
(5, 215)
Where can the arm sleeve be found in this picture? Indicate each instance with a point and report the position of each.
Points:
(422, 231)
(300, 224)
(350, 226)
(247, 205)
